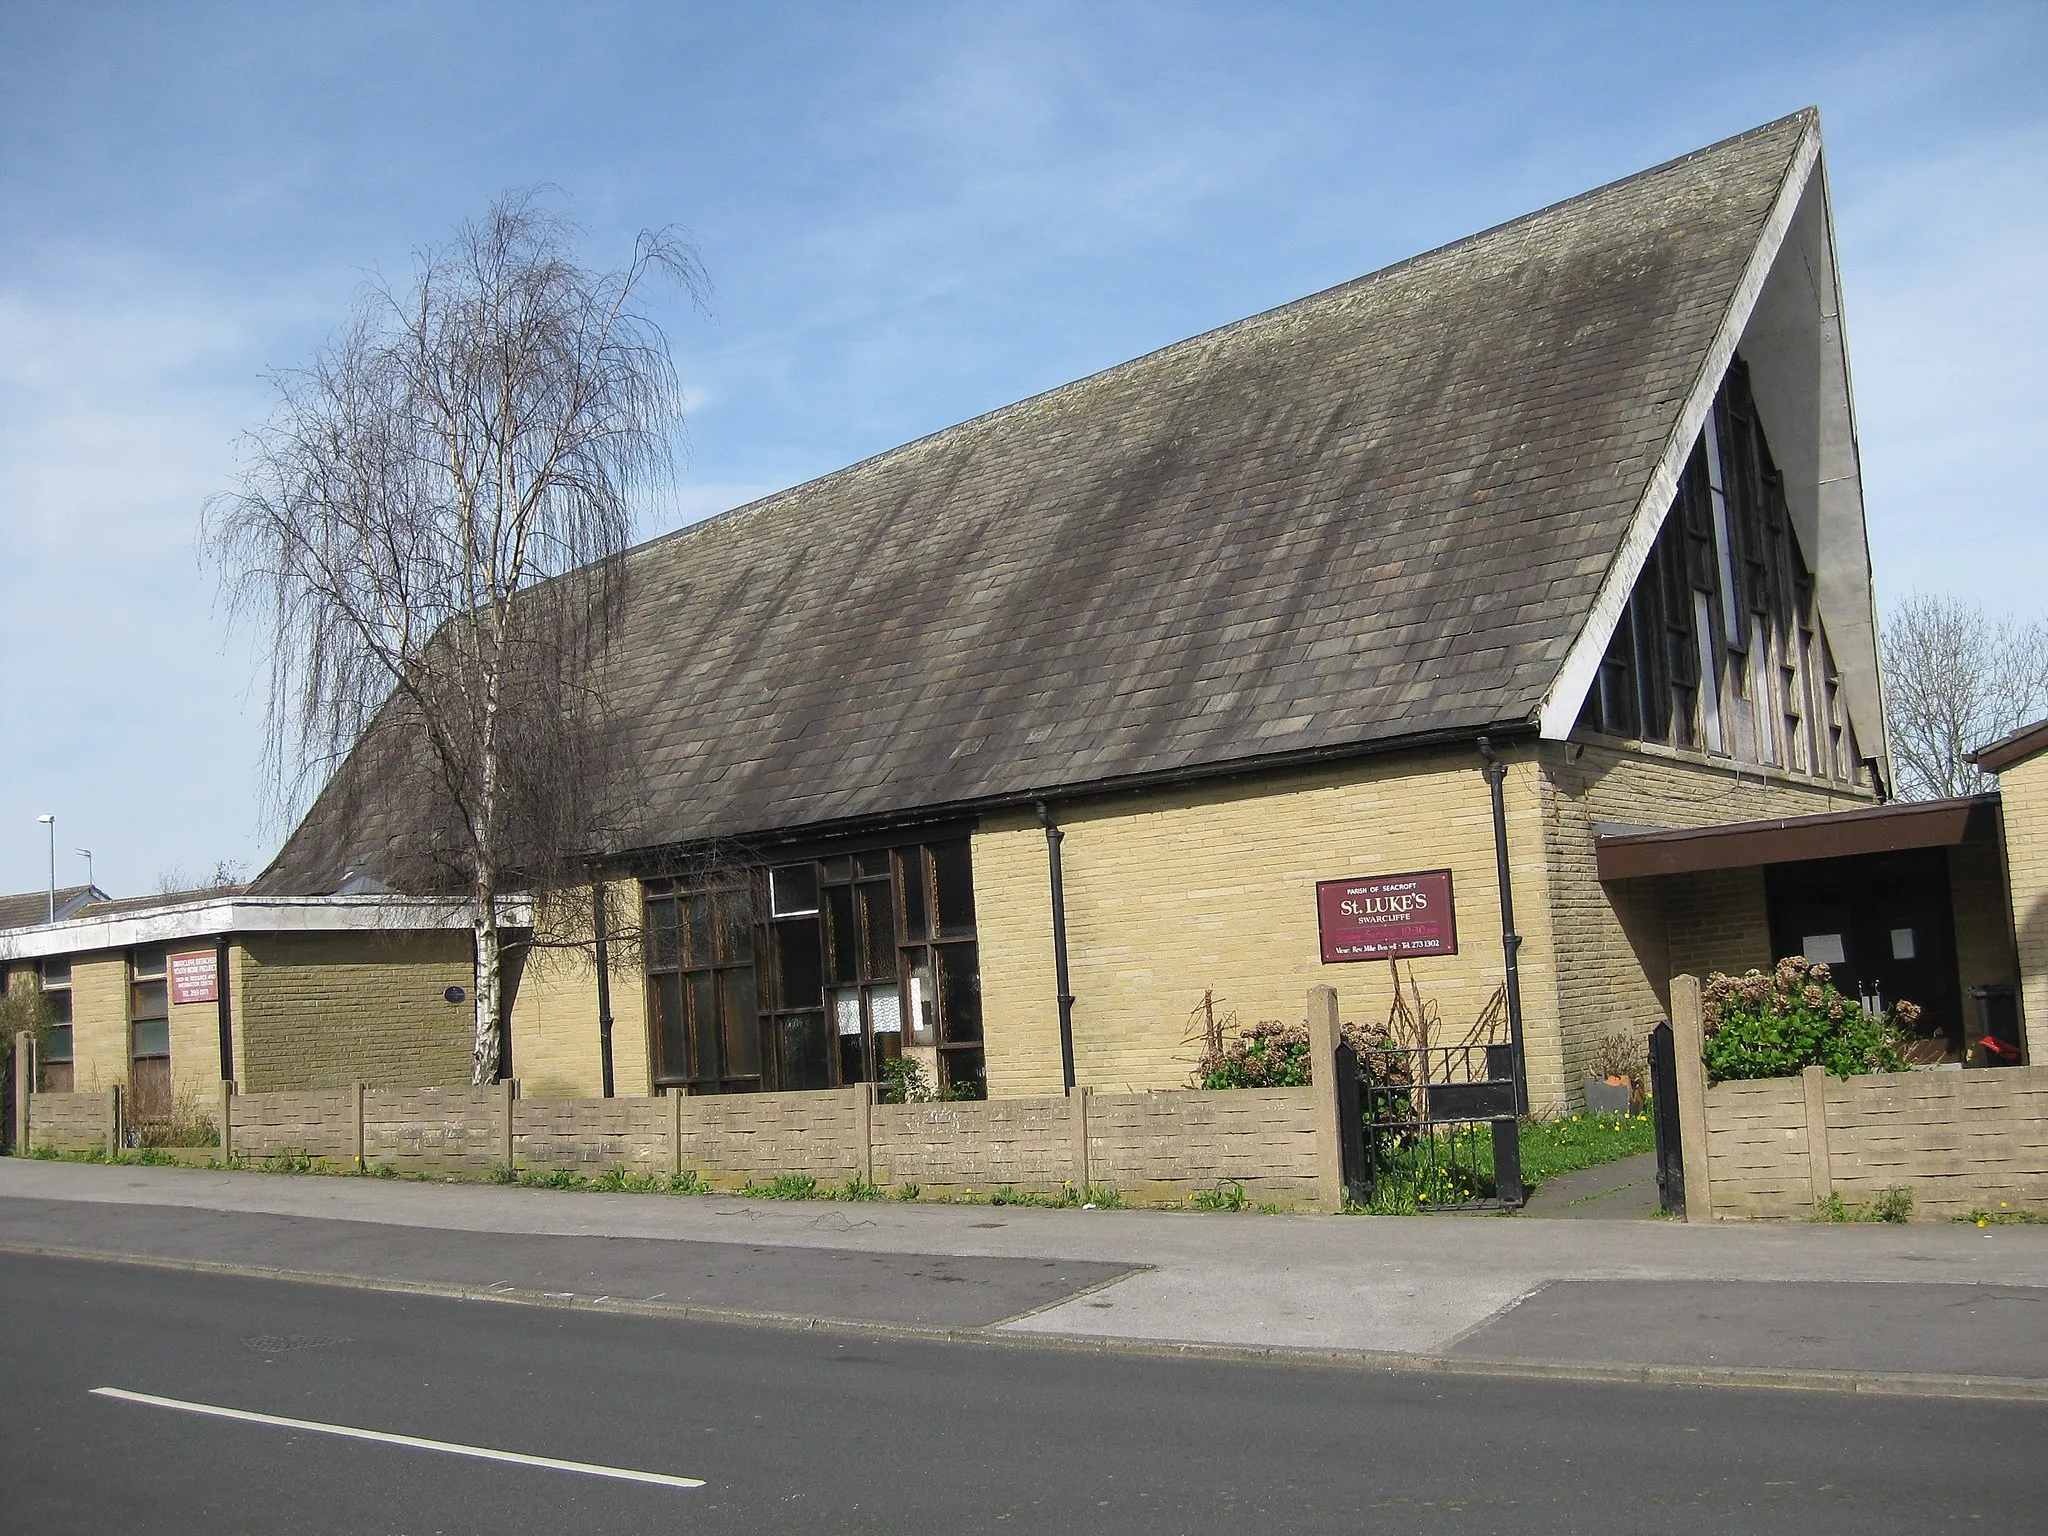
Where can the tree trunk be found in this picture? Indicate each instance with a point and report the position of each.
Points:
(486, 1054)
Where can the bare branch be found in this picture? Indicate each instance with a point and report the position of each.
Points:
(1956, 678)
(429, 532)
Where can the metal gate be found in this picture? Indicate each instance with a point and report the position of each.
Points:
(1430, 1128)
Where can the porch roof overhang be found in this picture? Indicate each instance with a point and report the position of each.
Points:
(1637, 853)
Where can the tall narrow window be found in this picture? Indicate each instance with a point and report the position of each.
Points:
(702, 986)
(1762, 705)
(1724, 541)
(55, 1068)
(149, 1031)
(1710, 681)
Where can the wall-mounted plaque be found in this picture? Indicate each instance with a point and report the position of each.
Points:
(195, 978)
(1382, 915)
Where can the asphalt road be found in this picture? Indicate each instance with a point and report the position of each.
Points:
(822, 1431)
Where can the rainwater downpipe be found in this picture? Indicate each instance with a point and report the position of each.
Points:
(1053, 835)
(599, 935)
(1510, 941)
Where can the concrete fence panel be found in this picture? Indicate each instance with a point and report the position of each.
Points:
(589, 1136)
(68, 1122)
(983, 1145)
(437, 1130)
(1167, 1147)
(729, 1139)
(318, 1123)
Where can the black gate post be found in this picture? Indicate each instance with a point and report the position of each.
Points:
(1351, 1127)
(1507, 1163)
(1664, 1109)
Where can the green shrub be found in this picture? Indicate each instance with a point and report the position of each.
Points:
(1224, 1197)
(554, 1178)
(688, 1182)
(903, 1082)
(1267, 1055)
(1777, 1025)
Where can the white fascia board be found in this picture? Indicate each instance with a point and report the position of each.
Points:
(237, 915)
(1561, 706)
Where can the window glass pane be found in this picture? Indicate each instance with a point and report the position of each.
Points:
(670, 1030)
(152, 1037)
(664, 942)
(954, 876)
(800, 964)
(878, 924)
(924, 1000)
(697, 936)
(966, 1071)
(793, 890)
(742, 1022)
(846, 1010)
(885, 1009)
(60, 1005)
(736, 927)
(842, 935)
(150, 961)
(151, 1000)
(853, 1059)
(840, 868)
(960, 992)
(57, 1044)
(806, 1052)
(57, 973)
(916, 913)
(705, 1034)
(875, 862)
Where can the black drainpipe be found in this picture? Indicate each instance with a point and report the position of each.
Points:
(223, 1008)
(1510, 941)
(598, 927)
(1059, 943)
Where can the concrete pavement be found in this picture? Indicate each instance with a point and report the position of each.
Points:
(1936, 1308)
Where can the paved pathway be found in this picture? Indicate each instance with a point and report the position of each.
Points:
(1921, 1301)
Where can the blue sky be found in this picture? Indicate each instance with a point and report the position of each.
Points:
(910, 213)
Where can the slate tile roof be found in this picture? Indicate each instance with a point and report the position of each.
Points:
(1379, 513)
(31, 907)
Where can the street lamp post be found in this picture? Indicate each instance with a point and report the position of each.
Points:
(51, 823)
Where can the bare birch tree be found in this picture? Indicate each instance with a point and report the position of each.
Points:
(1955, 679)
(429, 532)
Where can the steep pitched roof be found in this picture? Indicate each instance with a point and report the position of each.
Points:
(1377, 514)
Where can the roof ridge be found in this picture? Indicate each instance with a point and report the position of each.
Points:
(1804, 116)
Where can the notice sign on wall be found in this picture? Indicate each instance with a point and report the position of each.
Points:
(1383, 915)
(195, 978)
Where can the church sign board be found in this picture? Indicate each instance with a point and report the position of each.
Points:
(1387, 915)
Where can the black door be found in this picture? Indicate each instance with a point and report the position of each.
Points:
(1884, 924)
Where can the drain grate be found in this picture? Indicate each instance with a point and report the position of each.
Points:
(285, 1343)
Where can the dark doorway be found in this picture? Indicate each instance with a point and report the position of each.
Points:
(1883, 922)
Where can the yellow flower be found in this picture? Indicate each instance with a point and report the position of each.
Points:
(1983, 1223)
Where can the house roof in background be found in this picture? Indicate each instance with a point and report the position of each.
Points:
(2028, 741)
(34, 906)
(1380, 514)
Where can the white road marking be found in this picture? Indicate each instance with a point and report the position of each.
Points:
(482, 1453)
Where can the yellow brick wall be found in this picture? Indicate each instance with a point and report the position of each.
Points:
(99, 1019)
(1213, 887)
(1614, 958)
(1716, 920)
(323, 1010)
(2024, 788)
(555, 1047)
(195, 1039)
